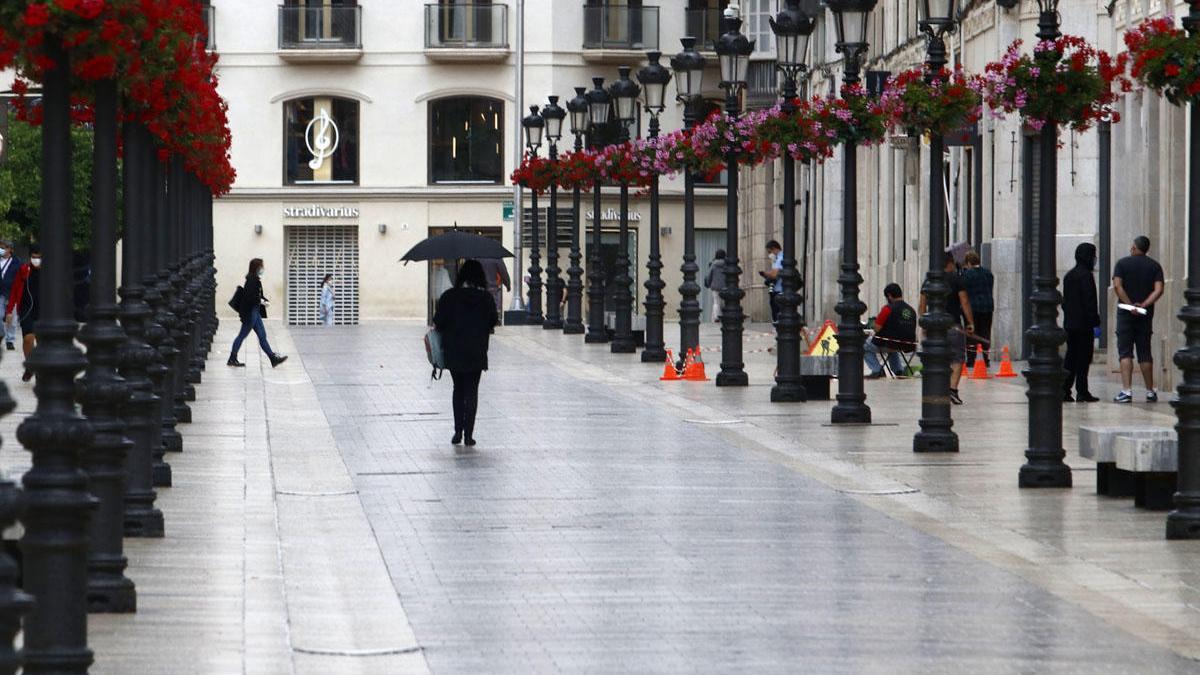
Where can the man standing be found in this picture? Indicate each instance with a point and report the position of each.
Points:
(958, 306)
(714, 281)
(1081, 317)
(1138, 283)
(774, 276)
(895, 332)
(9, 264)
(978, 281)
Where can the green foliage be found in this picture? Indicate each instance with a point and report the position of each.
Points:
(21, 184)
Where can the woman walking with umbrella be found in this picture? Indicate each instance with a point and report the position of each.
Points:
(465, 317)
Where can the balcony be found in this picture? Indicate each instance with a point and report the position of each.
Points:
(210, 25)
(618, 32)
(705, 26)
(322, 34)
(762, 85)
(466, 32)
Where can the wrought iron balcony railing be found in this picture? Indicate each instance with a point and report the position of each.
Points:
(320, 27)
(466, 26)
(620, 27)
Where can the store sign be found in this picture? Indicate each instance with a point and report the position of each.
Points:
(321, 137)
(318, 211)
(614, 215)
(506, 211)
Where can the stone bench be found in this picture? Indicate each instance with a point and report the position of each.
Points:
(815, 374)
(1098, 444)
(1154, 464)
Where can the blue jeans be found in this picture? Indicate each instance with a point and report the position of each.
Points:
(255, 323)
(871, 357)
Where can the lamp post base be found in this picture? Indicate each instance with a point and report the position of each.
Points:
(623, 345)
(935, 440)
(654, 355)
(146, 523)
(733, 378)
(790, 392)
(572, 329)
(1183, 525)
(111, 595)
(1044, 476)
(850, 414)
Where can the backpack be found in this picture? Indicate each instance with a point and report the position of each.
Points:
(433, 351)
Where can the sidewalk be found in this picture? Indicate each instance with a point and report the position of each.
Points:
(268, 565)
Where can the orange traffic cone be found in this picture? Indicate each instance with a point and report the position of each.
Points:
(1005, 364)
(669, 372)
(695, 369)
(979, 372)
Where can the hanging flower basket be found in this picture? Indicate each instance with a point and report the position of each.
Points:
(799, 133)
(535, 173)
(854, 117)
(1165, 59)
(576, 170)
(945, 105)
(618, 164)
(1065, 82)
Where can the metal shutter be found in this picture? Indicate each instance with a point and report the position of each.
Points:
(313, 252)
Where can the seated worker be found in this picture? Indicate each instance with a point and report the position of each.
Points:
(895, 332)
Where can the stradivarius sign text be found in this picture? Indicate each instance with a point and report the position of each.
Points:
(318, 211)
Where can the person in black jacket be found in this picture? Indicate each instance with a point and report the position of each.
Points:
(252, 310)
(465, 317)
(1081, 316)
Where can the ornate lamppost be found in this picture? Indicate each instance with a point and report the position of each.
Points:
(733, 53)
(624, 93)
(654, 79)
(599, 104)
(1044, 466)
(850, 20)
(553, 115)
(689, 83)
(1184, 521)
(792, 28)
(578, 109)
(534, 126)
(936, 434)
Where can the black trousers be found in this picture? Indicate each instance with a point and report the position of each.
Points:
(466, 400)
(1080, 345)
(983, 329)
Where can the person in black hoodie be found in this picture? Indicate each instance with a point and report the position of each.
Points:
(1081, 316)
(251, 311)
(465, 317)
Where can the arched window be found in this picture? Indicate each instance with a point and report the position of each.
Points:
(466, 140)
(320, 141)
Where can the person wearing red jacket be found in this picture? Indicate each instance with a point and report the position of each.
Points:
(24, 299)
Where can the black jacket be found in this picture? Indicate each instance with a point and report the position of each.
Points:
(1080, 309)
(252, 296)
(465, 317)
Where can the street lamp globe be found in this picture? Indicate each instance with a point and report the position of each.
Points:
(1045, 6)
(553, 115)
(599, 103)
(534, 125)
(733, 52)
(625, 93)
(850, 22)
(580, 113)
(689, 70)
(937, 16)
(654, 79)
(793, 28)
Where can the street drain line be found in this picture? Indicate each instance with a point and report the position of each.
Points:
(291, 493)
(714, 422)
(898, 491)
(358, 652)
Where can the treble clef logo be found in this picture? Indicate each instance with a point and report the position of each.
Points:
(321, 137)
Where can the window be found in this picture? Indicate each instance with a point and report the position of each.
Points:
(758, 27)
(464, 21)
(319, 24)
(320, 141)
(466, 140)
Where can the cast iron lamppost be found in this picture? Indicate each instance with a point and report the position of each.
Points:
(599, 104)
(936, 435)
(578, 109)
(56, 489)
(624, 94)
(1184, 521)
(850, 19)
(733, 53)
(553, 115)
(792, 28)
(1044, 466)
(689, 83)
(654, 79)
(534, 127)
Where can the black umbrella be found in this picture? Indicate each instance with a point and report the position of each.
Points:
(456, 244)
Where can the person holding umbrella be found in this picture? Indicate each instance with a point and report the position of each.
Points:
(465, 318)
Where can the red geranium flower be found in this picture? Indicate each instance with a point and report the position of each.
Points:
(37, 15)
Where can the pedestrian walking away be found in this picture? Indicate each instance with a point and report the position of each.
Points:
(9, 265)
(325, 311)
(1138, 282)
(498, 280)
(958, 306)
(773, 277)
(25, 300)
(465, 319)
(252, 309)
(895, 332)
(1081, 320)
(979, 282)
(714, 280)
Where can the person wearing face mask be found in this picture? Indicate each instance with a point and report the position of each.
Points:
(9, 264)
(325, 311)
(24, 299)
(252, 310)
